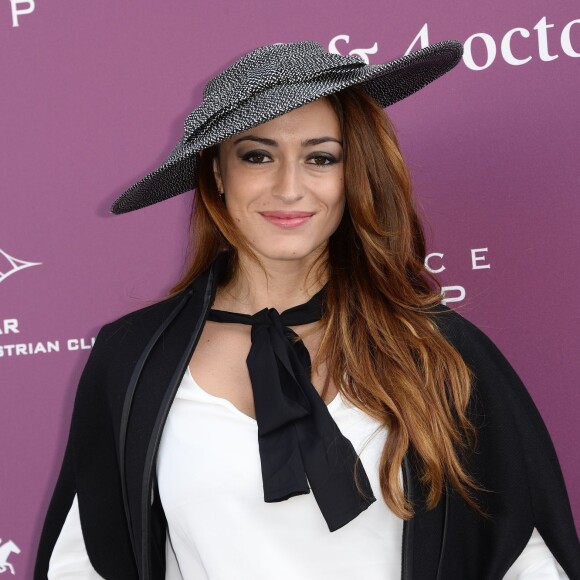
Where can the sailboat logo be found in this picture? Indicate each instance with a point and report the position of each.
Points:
(10, 265)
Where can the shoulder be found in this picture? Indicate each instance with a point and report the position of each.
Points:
(476, 348)
(138, 325)
(499, 395)
(134, 329)
(496, 384)
(122, 345)
(121, 342)
(118, 351)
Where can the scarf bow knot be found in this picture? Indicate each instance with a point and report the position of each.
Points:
(300, 445)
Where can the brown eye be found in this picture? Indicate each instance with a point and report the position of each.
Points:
(322, 160)
(255, 157)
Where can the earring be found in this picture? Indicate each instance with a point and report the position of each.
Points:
(221, 195)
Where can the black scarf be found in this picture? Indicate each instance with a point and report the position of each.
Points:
(297, 436)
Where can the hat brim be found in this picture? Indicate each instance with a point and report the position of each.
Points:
(386, 83)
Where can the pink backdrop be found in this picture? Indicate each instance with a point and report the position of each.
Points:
(94, 95)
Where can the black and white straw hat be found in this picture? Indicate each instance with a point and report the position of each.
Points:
(270, 81)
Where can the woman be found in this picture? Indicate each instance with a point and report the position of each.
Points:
(305, 350)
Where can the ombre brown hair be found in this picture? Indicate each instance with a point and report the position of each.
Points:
(379, 340)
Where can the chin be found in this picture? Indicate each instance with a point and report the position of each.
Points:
(286, 254)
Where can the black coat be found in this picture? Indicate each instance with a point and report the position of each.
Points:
(125, 393)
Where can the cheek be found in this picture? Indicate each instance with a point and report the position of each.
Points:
(337, 197)
(238, 193)
(242, 208)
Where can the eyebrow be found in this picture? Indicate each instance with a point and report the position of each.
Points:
(272, 143)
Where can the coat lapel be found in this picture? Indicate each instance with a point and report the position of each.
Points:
(154, 382)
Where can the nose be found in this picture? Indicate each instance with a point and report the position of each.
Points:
(288, 184)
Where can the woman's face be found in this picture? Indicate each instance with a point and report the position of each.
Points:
(284, 182)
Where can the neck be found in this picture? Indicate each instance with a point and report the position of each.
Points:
(280, 285)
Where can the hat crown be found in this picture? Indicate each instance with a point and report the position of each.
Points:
(282, 62)
(261, 69)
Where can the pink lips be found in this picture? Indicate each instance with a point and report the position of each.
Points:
(287, 219)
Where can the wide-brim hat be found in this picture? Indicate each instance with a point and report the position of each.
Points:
(271, 81)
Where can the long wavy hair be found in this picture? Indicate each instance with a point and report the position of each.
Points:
(383, 350)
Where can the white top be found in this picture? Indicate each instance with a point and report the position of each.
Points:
(220, 528)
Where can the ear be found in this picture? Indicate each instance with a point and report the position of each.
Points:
(217, 174)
